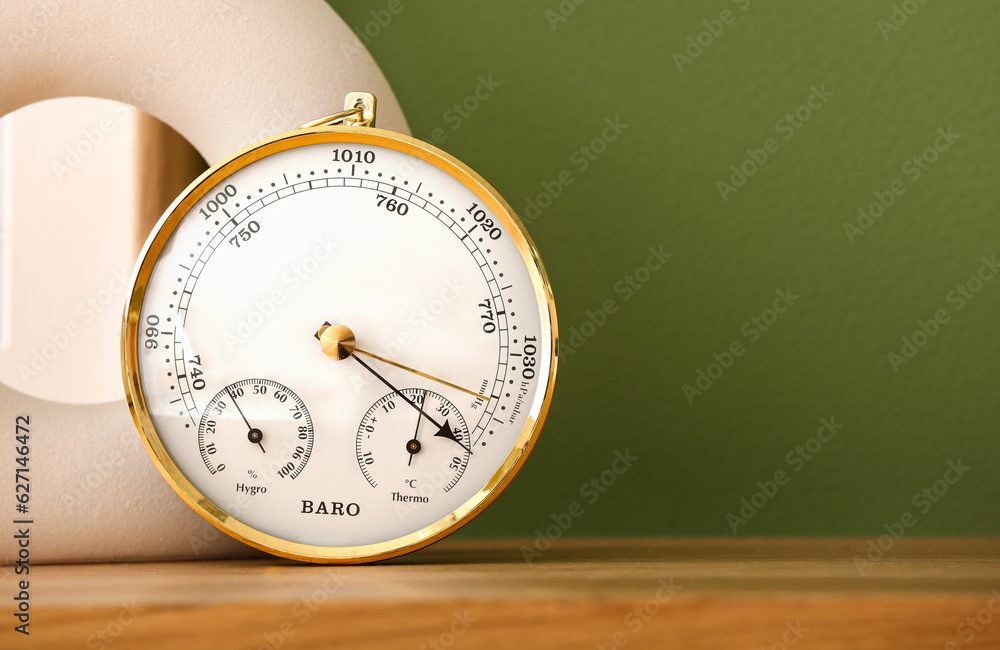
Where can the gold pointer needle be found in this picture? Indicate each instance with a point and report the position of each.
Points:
(343, 345)
(422, 374)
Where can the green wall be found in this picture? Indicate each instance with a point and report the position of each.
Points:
(879, 96)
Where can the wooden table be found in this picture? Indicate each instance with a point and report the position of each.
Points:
(637, 593)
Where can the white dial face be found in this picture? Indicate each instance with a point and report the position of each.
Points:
(259, 284)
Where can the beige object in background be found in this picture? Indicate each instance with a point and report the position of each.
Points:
(83, 184)
(224, 74)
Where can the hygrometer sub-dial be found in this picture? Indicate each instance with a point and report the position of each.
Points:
(258, 431)
(413, 450)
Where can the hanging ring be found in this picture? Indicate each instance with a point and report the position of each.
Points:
(359, 110)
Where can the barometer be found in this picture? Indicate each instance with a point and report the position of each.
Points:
(339, 343)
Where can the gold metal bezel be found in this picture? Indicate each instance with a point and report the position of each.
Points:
(130, 345)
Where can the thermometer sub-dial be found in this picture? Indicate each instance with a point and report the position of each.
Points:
(256, 430)
(421, 443)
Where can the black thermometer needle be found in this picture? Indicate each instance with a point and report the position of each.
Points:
(339, 343)
(444, 430)
(413, 446)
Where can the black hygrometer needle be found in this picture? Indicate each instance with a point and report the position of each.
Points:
(254, 434)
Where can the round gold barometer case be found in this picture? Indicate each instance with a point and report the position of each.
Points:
(339, 343)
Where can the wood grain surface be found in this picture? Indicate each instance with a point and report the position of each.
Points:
(691, 593)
